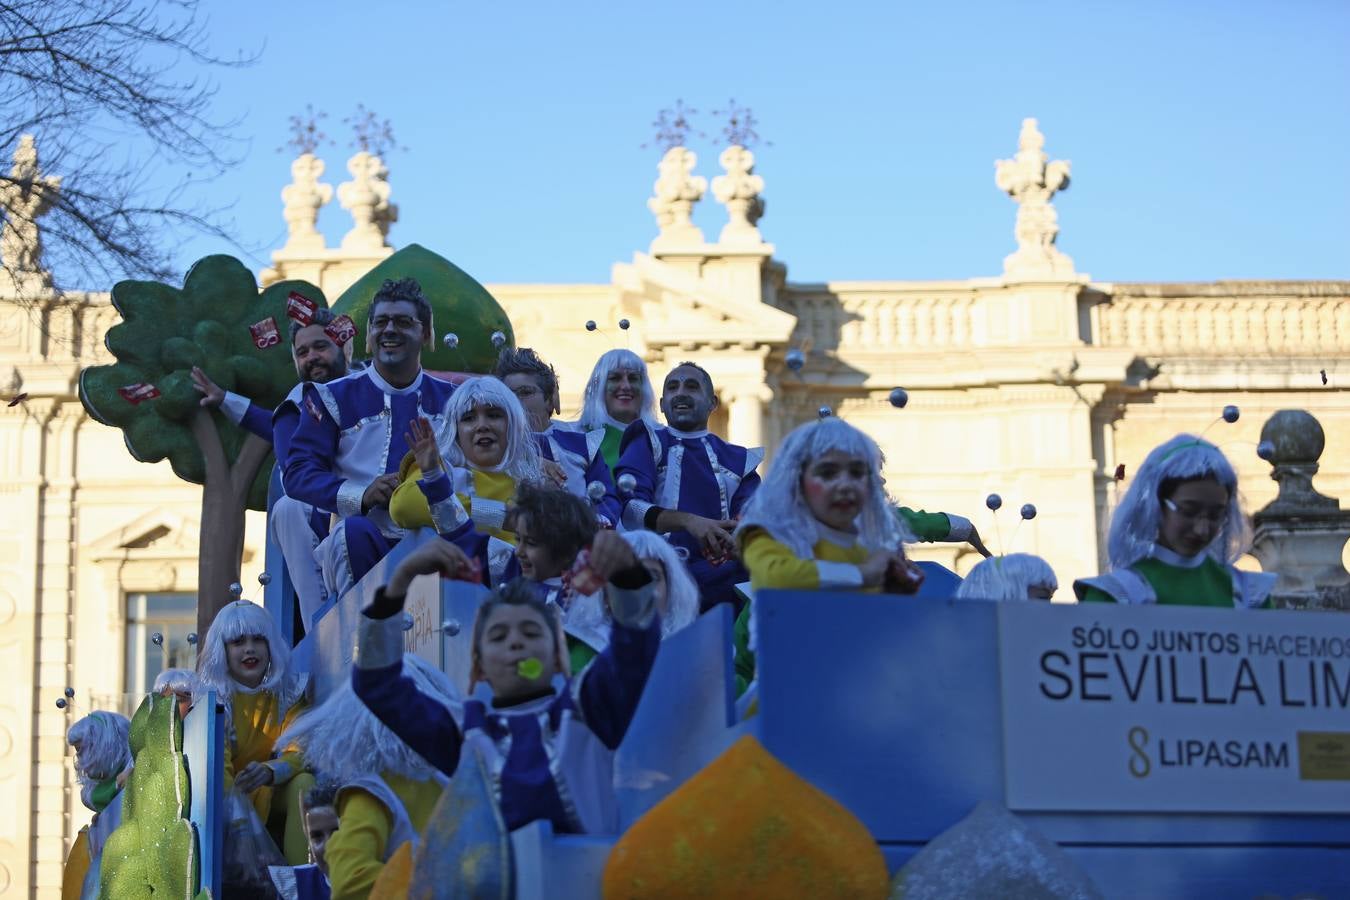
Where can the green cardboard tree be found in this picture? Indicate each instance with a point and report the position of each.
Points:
(153, 853)
(210, 322)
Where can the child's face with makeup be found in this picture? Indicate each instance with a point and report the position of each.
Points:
(248, 658)
(835, 487)
(513, 633)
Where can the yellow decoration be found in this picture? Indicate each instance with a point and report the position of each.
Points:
(77, 867)
(746, 826)
(395, 876)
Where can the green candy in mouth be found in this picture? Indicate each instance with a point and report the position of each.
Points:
(530, 668)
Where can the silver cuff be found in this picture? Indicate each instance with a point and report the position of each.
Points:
(488, 513)
(234, 406)
(635, 514)
(379, 642)
(837, 575)
(960, 528)
(349, 497)
(632, 609)
(281, 770)
(448, 514)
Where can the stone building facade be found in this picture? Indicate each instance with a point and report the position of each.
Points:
(1036, 384)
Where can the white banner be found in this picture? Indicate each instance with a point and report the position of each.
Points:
(1175, 709)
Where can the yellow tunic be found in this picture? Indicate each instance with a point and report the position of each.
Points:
(773, 565)
(408, 506)
(356, 851)
(256, 729)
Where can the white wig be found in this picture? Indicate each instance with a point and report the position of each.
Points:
(342, 740)
(1134, 526)
(179, 681)
(521, 459)
(104, 747)
(239, 619)
(1008, 578)
(594, 412)
(681, 590)
(779, 508)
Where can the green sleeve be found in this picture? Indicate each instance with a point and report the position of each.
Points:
(103, 794)
(579, 654)
(1095, 595)
(925, 525)
(745, 657)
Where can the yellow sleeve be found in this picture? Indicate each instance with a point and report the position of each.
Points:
(290, 761)
(355, 852)
(773, 565)
(408, 506)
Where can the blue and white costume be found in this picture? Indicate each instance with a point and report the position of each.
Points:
(693, 472)
(551, 757)
(496, 558)
(352, 430)
(578, 453)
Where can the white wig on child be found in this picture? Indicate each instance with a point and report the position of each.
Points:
(594, 412)
(521, 459)
(103, 746)
(1135, 523)
(342, 740)
(1008, 578)
(779, 508)
(239, 619)
(682, 599)
(180, 681)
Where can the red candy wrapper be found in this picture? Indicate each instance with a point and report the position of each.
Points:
(265, 333)
(581, 578)
(300, 308)
(903, 577)
(341, 330)
(138, 393)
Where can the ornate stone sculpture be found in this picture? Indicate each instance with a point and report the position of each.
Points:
(366, 197)
(1031, 181)
(25, 197)
(739, 190)
(303, 198)
(674, 194)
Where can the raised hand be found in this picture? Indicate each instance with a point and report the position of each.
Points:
(610, 553)
(438, 557)
(212, 394)
(421, 440)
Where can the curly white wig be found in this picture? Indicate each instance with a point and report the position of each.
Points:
(179, 681)
(1008, 577)
(103, 746)
(521, 459)
(594, 412)
(779, 508)
(1134, 526)
(241, 619)
(682, 598)
(342, 740)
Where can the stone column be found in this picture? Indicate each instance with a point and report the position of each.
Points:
(1301, 534)
(745, 413)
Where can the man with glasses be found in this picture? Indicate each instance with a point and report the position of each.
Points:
(351, 438)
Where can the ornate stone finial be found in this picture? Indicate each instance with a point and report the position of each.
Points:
(739, 190)
(302, 199)
(1031, 181)
(366, 197)
(1296, 440)
(25, 197)
(674, 194)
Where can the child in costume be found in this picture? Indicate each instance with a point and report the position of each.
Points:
(490, 450)
(102, 764)
(577, 454)
(1016, 576)
(182, 684)
(618, 393)
(550, 753)
(821, 521)
(385, 793)
(1176, 534)
(247, 663)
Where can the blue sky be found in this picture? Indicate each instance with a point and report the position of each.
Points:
(1208, 139)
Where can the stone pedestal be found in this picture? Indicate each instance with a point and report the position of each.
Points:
(1301, 534)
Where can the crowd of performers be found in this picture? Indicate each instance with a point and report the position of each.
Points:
(598, 539)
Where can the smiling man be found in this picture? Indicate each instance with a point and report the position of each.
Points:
(690, 484)
(351, 438)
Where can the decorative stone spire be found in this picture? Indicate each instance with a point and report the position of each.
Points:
(366, 197)
(303, 198)
(674, 194)
(1031, 181)
(25, 197)
(739, 190)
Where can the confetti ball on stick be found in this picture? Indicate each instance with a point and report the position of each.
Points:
(824, 412)
(795, 360)
(70, 692)
(899, 398)
(1266, 450)
(596, 491)
(530, 668)
(498, 339)
(993, 501)
(264, 578)
(624, 324)
(450, 627)
(60, 702)
(157, 639)
(1231, 413)
(192, 637)
(408, 622)
(451, 340)
(627, 483)
(1028, 511)
(590, 325)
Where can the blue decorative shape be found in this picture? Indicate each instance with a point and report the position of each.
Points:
(465, 849)
(204, 752)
